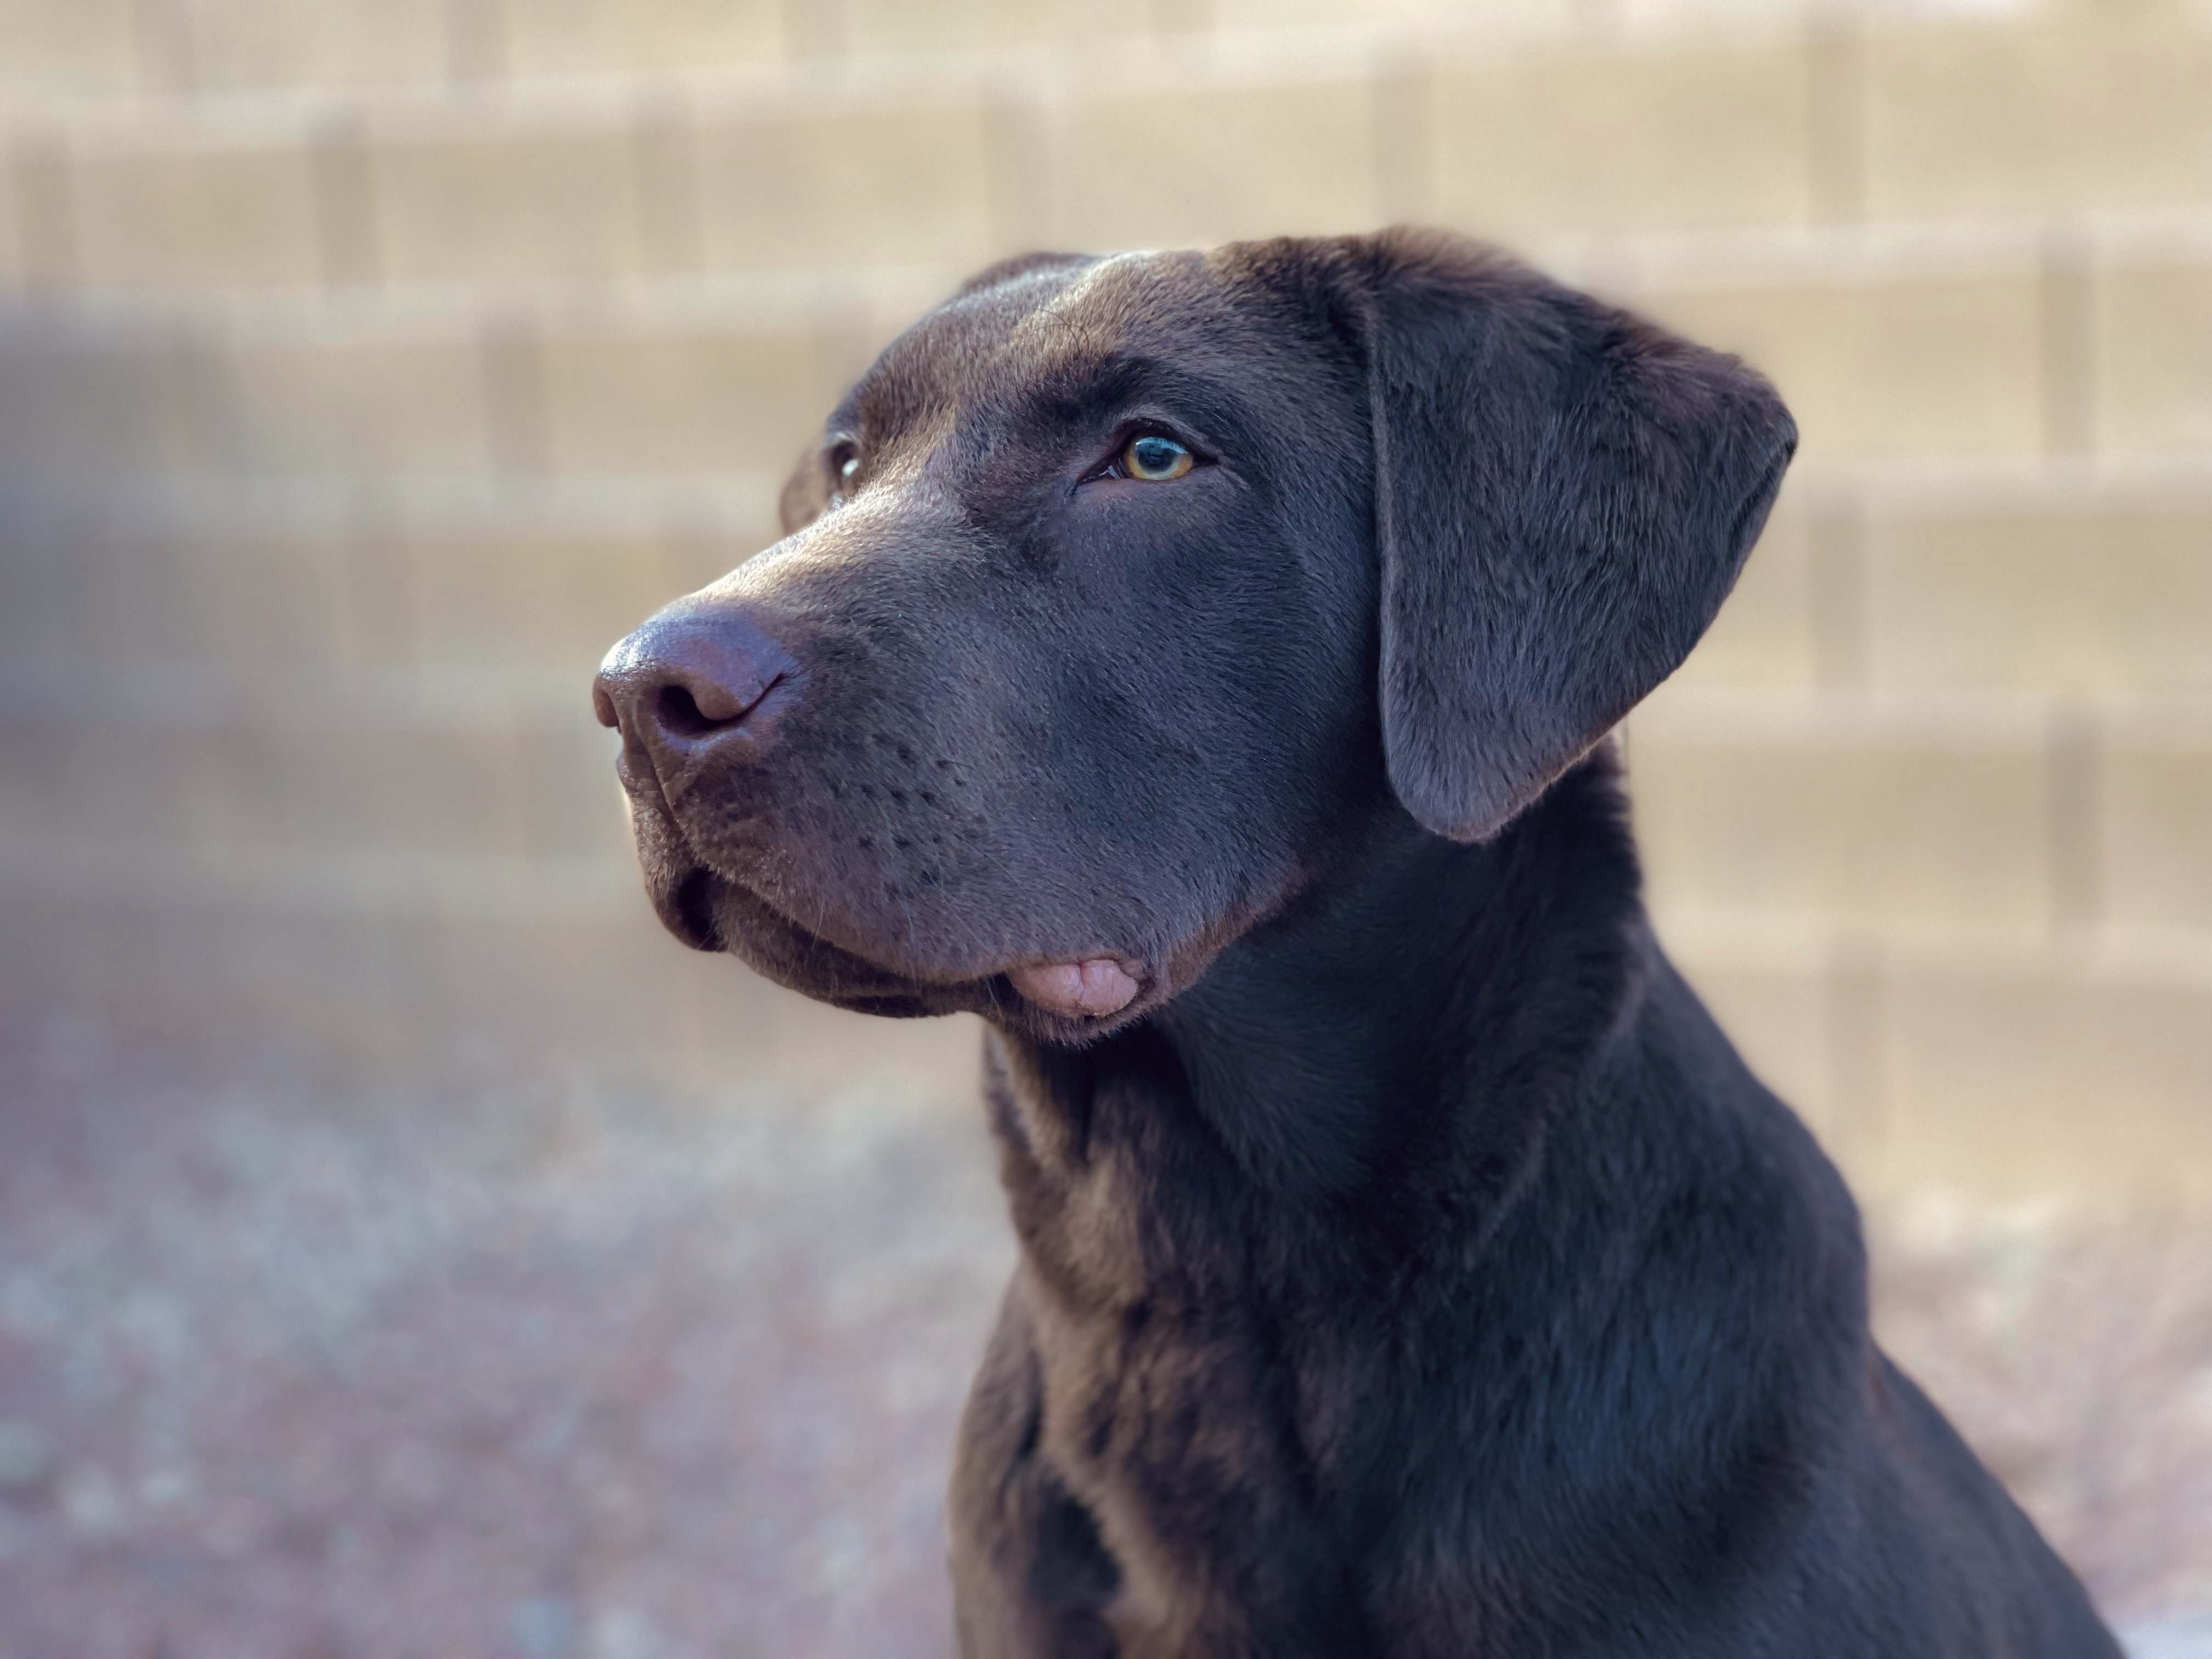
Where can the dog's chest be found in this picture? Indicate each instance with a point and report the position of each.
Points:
(1194, 1401)
(1181, 1451)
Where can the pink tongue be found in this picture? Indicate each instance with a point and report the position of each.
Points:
(1096, 987)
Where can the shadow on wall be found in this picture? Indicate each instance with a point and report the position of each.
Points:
(302, 753)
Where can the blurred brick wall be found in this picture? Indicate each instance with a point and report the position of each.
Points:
(367, 366)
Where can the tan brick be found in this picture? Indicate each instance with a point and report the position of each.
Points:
(892, 25)
(387, 995)
(364, 409)
(1875, 830)
(2083, 600)
(572, 804)
(591, 37)
(552, 203)
(898, 26)
(622, 985)
(377, 620)
(888, 187)
(561, 984)
(698, 555)
(243, 601)
(843, 354)
(66, 49)
(84, 398)
(15, 261)
(1521, 15)
(1932, 366)
(1196, 168)
(268, 601)
(39, 232)
(137, 603)
(358, 992)
(715, 401)
(2028, 1084)
(65, 780)
(2154, 380)
(319, 43)
(552, 601)
(1627, 141)
(1778, 1020)
(2095, 111)
(1764, 634)
(2154, 831)
(194, 216)
(372, 788)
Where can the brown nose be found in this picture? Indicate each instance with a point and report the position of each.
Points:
(696, 682)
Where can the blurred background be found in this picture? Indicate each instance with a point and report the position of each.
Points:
(407, 1250)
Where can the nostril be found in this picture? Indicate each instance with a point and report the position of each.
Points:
(680, 715)
(689, 709)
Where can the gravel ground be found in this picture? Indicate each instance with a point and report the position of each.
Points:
(542, 1368)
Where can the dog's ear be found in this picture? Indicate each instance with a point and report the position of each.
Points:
(1564, 494)
(805, 494)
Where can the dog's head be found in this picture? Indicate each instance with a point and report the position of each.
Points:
(1120, 591)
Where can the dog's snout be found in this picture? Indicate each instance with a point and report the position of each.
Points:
(692, 682)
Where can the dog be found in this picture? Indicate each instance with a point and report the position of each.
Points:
(1201, 665)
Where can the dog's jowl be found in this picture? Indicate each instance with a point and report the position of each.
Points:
(1199, 666)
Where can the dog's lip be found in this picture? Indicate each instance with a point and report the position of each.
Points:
(1082, 987)
(689, 910)
(1074, 992)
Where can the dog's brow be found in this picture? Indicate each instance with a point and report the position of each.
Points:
(1074, 386)
(1090, 389)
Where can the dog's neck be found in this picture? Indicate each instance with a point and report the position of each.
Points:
(1323, 1048)
(1324, 1059)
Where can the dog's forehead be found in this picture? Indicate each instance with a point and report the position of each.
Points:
(1044, 329)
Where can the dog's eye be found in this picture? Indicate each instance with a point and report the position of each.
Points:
(844, 458)
(1154, 459)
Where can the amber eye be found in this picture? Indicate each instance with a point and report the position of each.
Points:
(844, 463)
(1154, 459)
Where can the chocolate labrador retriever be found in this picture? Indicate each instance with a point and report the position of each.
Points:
(1200, 664)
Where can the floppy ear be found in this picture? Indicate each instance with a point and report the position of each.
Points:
(805, 494)
(1564, 494)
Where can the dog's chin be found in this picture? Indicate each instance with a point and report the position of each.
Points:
(709, 911)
